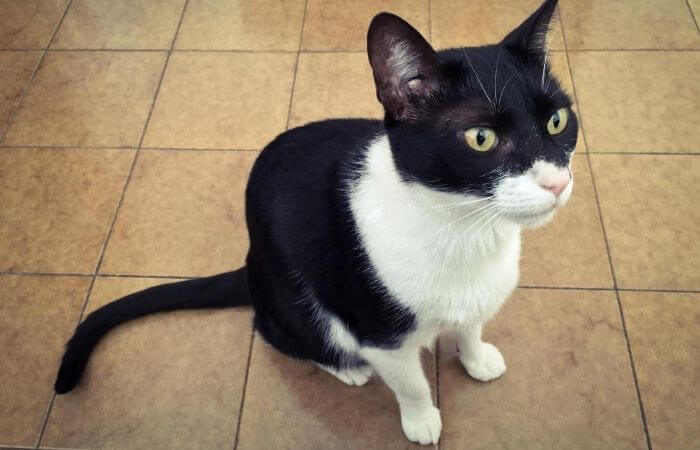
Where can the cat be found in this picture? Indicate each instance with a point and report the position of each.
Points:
(370, 238)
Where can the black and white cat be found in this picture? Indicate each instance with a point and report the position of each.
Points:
(368, 239)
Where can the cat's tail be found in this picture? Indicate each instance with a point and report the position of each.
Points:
(220, 291)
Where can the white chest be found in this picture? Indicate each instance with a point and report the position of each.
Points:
(446, 273)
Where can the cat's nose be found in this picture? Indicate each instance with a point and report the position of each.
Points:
(556, 183)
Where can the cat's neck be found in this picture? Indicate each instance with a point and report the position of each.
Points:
(464, 226)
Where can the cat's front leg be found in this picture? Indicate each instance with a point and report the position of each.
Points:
(401, 370)
(482, 360)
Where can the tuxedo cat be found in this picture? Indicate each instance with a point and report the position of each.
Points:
(370, 238)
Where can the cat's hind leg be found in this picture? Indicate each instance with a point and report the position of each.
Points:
(482, 360)
(355, 376)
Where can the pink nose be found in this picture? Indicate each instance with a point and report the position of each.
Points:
(557, 183)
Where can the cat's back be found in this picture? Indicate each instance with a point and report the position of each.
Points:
(296, 184)
(315, 148)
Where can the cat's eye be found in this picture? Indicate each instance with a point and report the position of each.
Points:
(558, 121)
(481, 139)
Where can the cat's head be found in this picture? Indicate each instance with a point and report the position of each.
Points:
(490, 122)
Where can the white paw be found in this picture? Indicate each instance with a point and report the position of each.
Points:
(357, 376)
(486, 364)
(423, 427)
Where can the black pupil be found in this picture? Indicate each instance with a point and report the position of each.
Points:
(481, 137)
(555, 120)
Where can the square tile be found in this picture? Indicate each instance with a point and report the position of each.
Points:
(570, 251)
(468, 23)
(333, 25)
(169, 381)
(57, 206)
(16, 69)
(124, 24)
(652, 218)
(665, 340)
(222, 100)
(241, 25)
(639, 24)
(37, 316)
(182, 215)
(29, 23)
(569, 382)
(638, 101)
(294, 404)
(316, 93)
(88, 99)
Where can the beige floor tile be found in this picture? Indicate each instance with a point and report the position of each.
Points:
(293, 404)
(88, 99)
(652, 218)
(169, 381)
(183, 215)
(333, 25)
(695, 8)
(467, 23)
(316, 93)
(638, 101)
(604, 24)
(15, 71)
(29, 23)
(57, 206)
(569, 382)
(124, 24)
(570, 251)
(665, 339)
(241, 25)
(222, 100)
(37, 315)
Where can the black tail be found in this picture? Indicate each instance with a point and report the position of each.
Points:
(220, 291)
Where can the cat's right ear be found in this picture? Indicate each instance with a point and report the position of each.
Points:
(404, 65)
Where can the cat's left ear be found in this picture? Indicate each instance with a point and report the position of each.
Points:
(530, 37)
(404, 65)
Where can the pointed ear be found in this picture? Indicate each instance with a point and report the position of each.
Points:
(404, 65)
(530, 37)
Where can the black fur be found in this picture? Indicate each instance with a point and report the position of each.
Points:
(302, 234)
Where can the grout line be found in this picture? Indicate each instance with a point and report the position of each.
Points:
(119, 203)
(53, 393)
(565, 288)
(296, 65)
(610, 262)
(98, 147)
(645, 153)
(245, 386)
(191, 277)
(202, 50)
(15, 110)
(692, 14)
(138, 150)
(185, 149)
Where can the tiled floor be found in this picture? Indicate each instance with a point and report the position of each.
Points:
(127, 131)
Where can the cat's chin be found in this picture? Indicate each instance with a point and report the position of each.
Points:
(535, 220)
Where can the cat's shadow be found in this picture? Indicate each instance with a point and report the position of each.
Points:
(340, 416)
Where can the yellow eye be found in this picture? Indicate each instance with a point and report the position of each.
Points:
(557, 122)
(481, 139)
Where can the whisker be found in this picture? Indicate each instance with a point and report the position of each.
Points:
(544, 66)
(477, 78)
(504, 88)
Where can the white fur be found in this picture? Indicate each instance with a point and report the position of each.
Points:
(452, 259)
